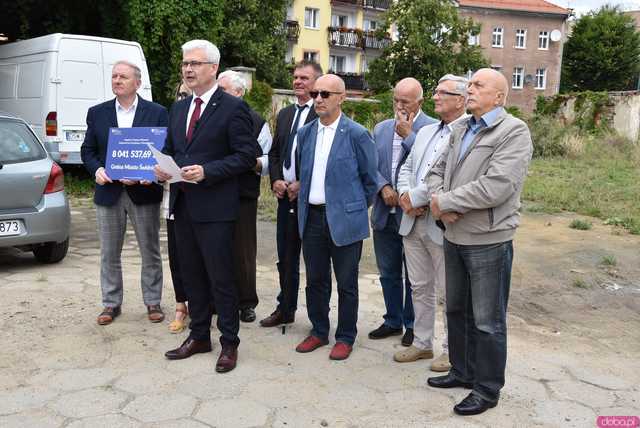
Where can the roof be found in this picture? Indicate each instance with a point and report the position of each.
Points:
(539, 6)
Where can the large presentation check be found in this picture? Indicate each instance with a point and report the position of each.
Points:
(128, 155)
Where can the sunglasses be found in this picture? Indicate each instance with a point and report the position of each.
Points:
(323, 94)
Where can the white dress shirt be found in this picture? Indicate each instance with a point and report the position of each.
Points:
(205, 100)
(290, 174)
(437, 140)
(125, 115)
(265, 140)
(324, 141)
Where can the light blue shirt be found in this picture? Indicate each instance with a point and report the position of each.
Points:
(474, 126)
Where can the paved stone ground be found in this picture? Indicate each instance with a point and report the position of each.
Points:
(59, 369)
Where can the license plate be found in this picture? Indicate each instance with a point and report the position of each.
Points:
(11, 227)
(75, 135)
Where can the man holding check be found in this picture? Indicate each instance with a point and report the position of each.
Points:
(139, 200)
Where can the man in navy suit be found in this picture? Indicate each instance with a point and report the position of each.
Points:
(337, 184)
(211, 138)
(394, 139)
(140, 200)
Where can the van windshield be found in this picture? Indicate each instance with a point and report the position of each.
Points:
(18, 144)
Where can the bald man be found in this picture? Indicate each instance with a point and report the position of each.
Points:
(475, 191)
(394, 139)
(337, 184)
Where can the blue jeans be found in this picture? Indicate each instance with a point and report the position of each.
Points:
(478, 278)
(319, 253)
(283, 242)
(387, 245)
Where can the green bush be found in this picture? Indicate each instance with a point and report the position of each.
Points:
(259, 98)
(547, 135)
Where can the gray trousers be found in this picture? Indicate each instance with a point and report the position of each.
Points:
(425, 265)
(112, 225)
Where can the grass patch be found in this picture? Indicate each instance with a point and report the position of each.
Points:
(580, 283)
(609, 260)
(580, 224)
(602, 181)
(267, 202)
(77, 182)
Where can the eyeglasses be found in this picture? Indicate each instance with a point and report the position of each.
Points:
(194, 64)
(323, 94)
(442, 93)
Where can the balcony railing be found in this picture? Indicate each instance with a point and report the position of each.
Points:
(377, 4)
(356, 38)
(353, 81)
(372, 42)
(348, 2)
(293, 29)
(345, 37)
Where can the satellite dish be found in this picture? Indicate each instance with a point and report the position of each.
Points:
(556, 35)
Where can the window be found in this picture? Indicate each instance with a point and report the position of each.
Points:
(518, 77)
(339, 21)
(370, 25)
(310, 56)
(543, 40)
(474, 40)
(364, 64)
(541, 78)
(311, 18)
(496, 41)
(337, 63)
(497, 67)
(521, 39)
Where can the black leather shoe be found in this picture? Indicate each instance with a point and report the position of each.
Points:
(247, 315)
(277, 318)
(448, 381)
(473, 405)
(407, 339)
(227, 359)
(384, 331)
(188, 348)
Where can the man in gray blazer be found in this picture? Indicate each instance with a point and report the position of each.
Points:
(394, 139)
(422, 238)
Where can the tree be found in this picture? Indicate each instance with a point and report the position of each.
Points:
(602, 53)
(433, 40)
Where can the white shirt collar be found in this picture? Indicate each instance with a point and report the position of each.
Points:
(206, 96)
(131, 108)
(308, 104)
(332, 126)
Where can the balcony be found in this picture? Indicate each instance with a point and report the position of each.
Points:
(372, 42)
(293, 30)
(377, 4)
(353, 81)
(345, 37)
(346, 2)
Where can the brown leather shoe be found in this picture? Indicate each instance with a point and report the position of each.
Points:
(155, 314)
(108, 315)
(277, 318)
(227, 359)
(188, 348)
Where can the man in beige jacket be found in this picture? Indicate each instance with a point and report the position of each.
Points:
(475, 191)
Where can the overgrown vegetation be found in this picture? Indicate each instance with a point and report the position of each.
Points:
(259, 98)
(580, 224)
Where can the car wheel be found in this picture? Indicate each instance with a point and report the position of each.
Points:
(51, 252)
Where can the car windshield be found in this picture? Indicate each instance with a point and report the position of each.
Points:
(18, 144)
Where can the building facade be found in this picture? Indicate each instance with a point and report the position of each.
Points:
(524, 40)
(337, 34)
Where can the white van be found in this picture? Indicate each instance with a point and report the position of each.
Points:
(51, 82)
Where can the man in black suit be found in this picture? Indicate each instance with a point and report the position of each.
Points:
(210, 138)
(284, 182)
(140, 201)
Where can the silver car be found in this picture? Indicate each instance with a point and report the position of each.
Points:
(34, 211)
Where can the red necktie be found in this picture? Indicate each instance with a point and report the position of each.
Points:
(194, 119)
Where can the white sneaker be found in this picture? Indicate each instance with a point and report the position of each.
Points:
(441, 364)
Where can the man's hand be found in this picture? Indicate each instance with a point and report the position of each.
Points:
(279, 187)
(435, 208)
(416, 212)
(404, 124)
(389, 196)
(193, 173)
(449, 218)
(101, 177)
(292, 190)
(405, 203)
(146, 182)
(160, 174)
(128, 182)
(258, 167)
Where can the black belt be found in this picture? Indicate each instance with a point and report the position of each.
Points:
(318, 207)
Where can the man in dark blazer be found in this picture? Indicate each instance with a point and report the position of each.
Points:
(115, 200)
(284, 181)
(337, 184)
(210, 138)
